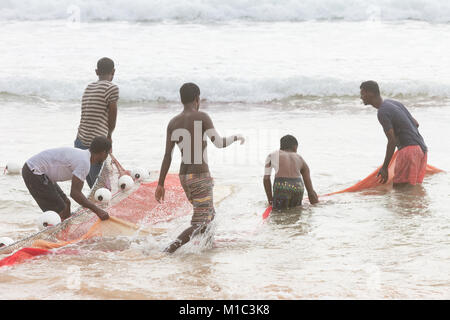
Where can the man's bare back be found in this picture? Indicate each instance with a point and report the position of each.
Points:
(190, 130)
(194, 154)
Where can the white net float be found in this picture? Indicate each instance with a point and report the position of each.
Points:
(125, 182)
(48, 219)
(5, 241)
(102, 195)
(139, 174)
(13, 167)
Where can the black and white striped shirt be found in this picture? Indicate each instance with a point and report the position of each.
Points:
(95, 111)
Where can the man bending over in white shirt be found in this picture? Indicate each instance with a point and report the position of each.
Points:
(42, 172)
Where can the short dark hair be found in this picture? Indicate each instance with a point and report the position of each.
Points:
(100, 144)
(188, 92)
(288, 142)
(105, 66)
(370, 86)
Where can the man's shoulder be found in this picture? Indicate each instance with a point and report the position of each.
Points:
(81, 157)
(69, 150)
(293, 155)
(108, 85)
(297, 156)
(289, 156)
(274, 153)
(81, 164)
(199, 115)
(61, 149)
(391, 104)
(75, 152)
(202, 115)
(174, 122)
(60, 152)
(273, 158)
(111, 84)
(392, 107)
(387, 106)
(103, 84)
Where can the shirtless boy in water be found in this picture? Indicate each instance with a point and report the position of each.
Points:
(189, 130)
(289, 168)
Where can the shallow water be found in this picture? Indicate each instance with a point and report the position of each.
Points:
(372, 244)
(263, 80)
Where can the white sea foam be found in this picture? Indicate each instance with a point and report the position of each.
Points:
(220, 89)
(226, 10)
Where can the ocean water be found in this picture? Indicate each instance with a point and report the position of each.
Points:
(265, 69)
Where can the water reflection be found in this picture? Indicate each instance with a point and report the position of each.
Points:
(402, 199)
(285, 217)
(408, 199)
(294, 219)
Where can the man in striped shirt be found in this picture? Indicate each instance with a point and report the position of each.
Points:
(98, 112)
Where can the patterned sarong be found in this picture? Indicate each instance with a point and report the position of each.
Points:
(199, 191)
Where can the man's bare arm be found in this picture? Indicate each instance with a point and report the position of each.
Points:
(112, 118)
(390, 149)
(268, 188)
(78, 196)
(167, 160)
(215, 137)
(267, 182)
(312, 195)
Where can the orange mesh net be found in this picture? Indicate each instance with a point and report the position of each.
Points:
(132, 212)
(373, 181)
(370, 181)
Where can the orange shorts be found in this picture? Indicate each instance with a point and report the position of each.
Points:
(410, 165)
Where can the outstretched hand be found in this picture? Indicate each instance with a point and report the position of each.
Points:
(159, 193)
(240, 138)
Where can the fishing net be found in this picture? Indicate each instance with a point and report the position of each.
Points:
(132, 213)
(371, 181)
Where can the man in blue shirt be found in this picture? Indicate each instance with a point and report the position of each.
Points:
(401, 130)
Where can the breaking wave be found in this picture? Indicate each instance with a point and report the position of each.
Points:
(226, 10)
(220, 89)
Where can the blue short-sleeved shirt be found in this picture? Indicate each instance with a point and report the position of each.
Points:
(393, 115)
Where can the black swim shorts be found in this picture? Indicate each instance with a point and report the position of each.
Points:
(47, 194)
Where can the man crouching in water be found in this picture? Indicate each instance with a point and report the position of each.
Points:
(189, 130)
(289, 169)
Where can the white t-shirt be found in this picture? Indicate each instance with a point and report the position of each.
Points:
(60, 164)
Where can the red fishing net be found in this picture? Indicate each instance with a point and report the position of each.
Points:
(132, 212)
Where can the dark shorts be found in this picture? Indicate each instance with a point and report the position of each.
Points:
(47, 194)
(287, 193)
(199, 191)
(95, 167)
